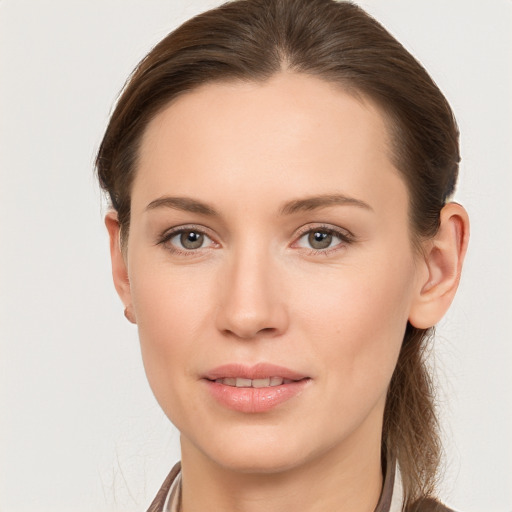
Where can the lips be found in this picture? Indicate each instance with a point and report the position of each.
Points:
(255, 372)
(240, 382)
(254, 389)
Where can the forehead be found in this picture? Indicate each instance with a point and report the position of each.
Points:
(292, 131)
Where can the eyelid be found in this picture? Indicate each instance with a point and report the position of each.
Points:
(343, 234)
(170, 233)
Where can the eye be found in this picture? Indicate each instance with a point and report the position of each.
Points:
(189, 240)
(322, 239)
(186, 240)
(319, 239)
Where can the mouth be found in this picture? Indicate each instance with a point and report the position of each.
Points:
(260, 375)
(240, 382)
(254, 389)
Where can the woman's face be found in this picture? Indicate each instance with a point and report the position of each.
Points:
(269, 227)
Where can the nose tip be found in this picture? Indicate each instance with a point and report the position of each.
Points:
(249, 326)
(249, 313)
(253, 303)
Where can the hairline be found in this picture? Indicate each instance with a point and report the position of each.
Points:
(347, 86)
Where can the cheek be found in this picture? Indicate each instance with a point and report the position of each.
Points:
(171, 309)
(359, 318)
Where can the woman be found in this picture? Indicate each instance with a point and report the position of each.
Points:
(279, 172)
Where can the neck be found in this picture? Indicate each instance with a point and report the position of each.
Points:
(345, 480)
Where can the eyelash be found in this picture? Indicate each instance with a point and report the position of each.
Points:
(168, 235)
(345, 237)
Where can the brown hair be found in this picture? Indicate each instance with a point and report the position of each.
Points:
(251, 40)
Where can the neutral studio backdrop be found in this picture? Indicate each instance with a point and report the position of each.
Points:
(79, 428)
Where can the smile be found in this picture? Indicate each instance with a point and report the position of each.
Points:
(241, 382)
(259, 388)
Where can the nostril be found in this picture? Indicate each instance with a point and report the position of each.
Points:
(247, 334)
(267, 330)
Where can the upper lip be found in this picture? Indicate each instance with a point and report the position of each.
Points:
(257, 371)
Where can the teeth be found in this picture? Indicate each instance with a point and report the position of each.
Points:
(239, 382)
(260, 383)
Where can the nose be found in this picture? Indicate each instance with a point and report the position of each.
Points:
(253, 303)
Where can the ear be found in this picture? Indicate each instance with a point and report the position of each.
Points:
(442, 266)
(119, 268)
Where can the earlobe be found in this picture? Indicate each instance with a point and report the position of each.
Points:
(442, 265)
(119, 267)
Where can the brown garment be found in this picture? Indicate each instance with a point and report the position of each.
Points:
(428, 505)
(423, 505)
(158, 503)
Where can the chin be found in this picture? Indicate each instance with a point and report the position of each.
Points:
(256, 462)
(257, 452)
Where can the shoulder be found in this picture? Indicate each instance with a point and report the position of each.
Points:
(428, 505)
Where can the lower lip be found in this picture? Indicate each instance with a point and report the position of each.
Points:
(254, 400)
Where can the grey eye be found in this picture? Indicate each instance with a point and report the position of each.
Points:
(319, 239)
(191, 239)
(323, 239)
(187, 240)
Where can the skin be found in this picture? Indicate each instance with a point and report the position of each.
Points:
(256, 291)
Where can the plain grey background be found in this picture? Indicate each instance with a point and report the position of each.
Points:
(79, 428)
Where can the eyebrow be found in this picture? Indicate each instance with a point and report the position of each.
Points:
(322, 201)
(188, 204)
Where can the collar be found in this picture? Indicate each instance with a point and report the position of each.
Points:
(390, 500)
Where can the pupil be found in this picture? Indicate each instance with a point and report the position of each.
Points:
(319, 240)
(191, 240)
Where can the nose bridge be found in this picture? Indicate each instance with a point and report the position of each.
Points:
(253, 302)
